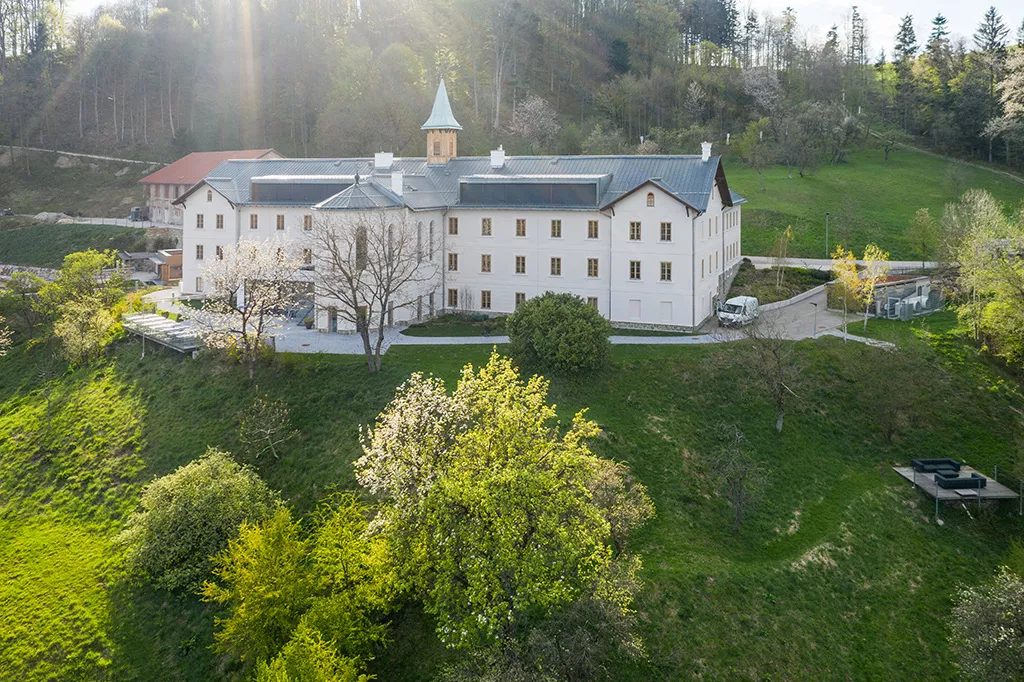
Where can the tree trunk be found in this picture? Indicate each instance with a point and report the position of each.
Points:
(364, 334)
(780, 412)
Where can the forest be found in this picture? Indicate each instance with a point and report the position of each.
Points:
(156, 79)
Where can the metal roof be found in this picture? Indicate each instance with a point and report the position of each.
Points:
(362, 196)
(436, 186)
(441, 116)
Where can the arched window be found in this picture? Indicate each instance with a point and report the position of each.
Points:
(419, 242)
(430, 241)
(209, 195)
(650, 198)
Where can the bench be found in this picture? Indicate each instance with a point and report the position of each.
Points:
(930, 466)
(956, 482)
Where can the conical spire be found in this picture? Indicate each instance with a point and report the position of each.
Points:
(441, 116)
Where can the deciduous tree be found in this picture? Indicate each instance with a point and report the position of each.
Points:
(367, 265)
(502, 522)
(250, 288)
(987, 628)
(189, 515)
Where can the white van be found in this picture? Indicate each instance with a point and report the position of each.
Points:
(738, 310)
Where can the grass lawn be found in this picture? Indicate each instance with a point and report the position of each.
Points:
(45, 244)
(81, 190)
(761, 283)
(457, 324)
(870, 200)
(840, 574)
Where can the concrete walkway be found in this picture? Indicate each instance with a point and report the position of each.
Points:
(800, 320)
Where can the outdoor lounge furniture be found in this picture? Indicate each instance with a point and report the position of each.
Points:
(957, 482)
(930, 466)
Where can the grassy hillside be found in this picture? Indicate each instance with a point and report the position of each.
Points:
(23, 242)
(90, 188)
(870, 199)
(838, 575)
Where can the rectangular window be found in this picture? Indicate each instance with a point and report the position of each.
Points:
(702, 268)
(520, 227)
(634, 269)
(280, 222)
(220, 253)
(199, 252)
(362, 248)
(453, 298)
(453, 262)
(666, 232)
(592, 229)
(200, 221)
(485, 227)
(634, 231)
(556, 267)
(520, 265)
(254, 222)
(592, 300)
(307, 256)
(520, 299)
(307, 223)
(485, 262)
(485, 299)
(592, 269)
(219, 221)
(453, 226)
(199, 283)
(556, 229)
(716, 260)
(666, 271)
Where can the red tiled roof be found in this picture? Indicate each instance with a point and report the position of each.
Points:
(191, 169)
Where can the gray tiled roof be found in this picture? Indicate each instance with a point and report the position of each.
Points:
(365, 195)
(430, 186)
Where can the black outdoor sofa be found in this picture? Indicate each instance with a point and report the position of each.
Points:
(931, 466)
(953, 481)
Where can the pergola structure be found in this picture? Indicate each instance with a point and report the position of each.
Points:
(180, 336)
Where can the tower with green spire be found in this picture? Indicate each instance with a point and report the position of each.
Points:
(442, 129)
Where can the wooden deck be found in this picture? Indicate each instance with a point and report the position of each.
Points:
(993, 490)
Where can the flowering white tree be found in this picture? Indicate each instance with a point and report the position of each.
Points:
(5, 337)
(251, 285)
(367, 265)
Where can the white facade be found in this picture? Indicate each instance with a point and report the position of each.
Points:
(631, 285)
(620, 269)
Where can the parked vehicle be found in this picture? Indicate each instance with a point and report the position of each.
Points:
(6, 212)
(139, 213)
(738, 310)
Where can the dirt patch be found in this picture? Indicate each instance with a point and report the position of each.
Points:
(66, 162)
(820, 555)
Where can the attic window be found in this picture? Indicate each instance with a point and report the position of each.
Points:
(209, 195)
(650, 199)
(437, 147)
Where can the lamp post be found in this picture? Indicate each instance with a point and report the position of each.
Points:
(814, 330)
(827, 215)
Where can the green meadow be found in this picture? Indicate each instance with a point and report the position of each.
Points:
(840, 573)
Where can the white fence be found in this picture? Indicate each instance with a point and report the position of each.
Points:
(122, 222)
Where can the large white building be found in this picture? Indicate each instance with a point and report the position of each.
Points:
(648, 240)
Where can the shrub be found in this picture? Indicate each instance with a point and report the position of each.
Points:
(559, 332)
(189, 515)
(987, 629)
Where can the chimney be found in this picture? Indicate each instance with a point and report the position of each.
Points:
(497, 158)
(705, 151)
(382, 160)
(397, 182)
